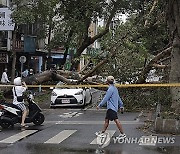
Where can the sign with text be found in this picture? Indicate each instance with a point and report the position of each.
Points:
(6, 22)
(3, 57)
(22, 59)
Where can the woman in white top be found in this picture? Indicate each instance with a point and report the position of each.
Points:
(18, 90)
(4, 78)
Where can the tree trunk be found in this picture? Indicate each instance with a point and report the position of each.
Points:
(50, 76)
(175, 74)
(90, 40)
(14, 56)
(173, 14)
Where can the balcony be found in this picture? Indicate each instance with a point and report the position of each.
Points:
(19, 46)
(27, 44)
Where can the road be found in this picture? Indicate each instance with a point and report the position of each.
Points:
(69, 131)
(73, 131)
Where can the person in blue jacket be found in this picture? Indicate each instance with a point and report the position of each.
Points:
(114, 103)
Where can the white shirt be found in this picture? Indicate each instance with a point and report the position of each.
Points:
(19, 92)
(4, 78)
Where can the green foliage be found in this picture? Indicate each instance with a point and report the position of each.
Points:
(136, 49)
(145, 98)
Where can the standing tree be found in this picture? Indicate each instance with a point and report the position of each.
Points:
(173, 20)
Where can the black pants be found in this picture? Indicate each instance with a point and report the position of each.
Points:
(111, 115)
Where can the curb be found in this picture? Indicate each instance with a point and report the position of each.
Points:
(167, 126)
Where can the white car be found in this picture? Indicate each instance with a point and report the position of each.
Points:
(70, 96)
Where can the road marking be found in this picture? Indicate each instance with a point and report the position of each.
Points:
(70, 114)
(111, 132)
(18, 136)
(60, 137)
(93, 122)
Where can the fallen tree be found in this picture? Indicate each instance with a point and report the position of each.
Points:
(153, 63)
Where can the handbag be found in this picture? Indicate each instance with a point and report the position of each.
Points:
(19, 98)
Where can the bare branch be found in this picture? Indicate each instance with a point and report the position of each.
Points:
(148, 67)
(160, 66)
(151, 10)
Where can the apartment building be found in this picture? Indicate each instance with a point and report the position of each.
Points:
(25, 43)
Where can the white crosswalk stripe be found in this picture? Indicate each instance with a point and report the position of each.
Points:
(61, 136)
(111, 132)
(57, 139)
(19, 136)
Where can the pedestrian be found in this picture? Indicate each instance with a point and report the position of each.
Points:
(4, 78)
(18, 90)
(31, 72)
(114, 103)
(25, 73)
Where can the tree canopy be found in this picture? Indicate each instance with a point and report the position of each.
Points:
(148, 39)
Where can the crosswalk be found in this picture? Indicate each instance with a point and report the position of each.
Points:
(111, 132)
(19, 136)
(56, 139)
(61, 136)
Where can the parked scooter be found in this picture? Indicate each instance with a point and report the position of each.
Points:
(10, 114)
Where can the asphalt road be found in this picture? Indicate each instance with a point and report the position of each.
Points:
(69, 131)
(73, 131)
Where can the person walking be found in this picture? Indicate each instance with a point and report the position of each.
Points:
(18, 90)
(114, 103)
(25, 73)
(4, 78)
(31, 72)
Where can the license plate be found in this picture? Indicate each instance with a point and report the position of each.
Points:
(64, 101)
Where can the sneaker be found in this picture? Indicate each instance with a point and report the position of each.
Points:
(98, 133)
(122, 136)
(24, 126)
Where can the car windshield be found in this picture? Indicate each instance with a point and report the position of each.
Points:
(61, 85)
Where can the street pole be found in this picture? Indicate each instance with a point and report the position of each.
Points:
(21, 69)
(9, 32)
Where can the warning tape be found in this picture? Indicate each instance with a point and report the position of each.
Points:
(102, 85)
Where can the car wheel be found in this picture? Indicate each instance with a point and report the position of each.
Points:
(52, 107)
(90, 99)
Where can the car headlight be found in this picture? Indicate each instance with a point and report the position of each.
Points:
(53, 93)
(79, 93)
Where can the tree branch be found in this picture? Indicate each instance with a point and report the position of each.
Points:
(151, 10)
(148, 67)
(160, 66)
(90, 40)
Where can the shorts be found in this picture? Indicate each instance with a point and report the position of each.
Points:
(111, 115)
(21, 106)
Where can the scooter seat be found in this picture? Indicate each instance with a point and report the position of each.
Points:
(11, 105)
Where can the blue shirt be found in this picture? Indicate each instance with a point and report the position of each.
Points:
(112, 99)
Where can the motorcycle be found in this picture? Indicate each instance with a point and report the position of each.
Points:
(10, 114)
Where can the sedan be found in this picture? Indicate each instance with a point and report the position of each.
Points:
(70, 96)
